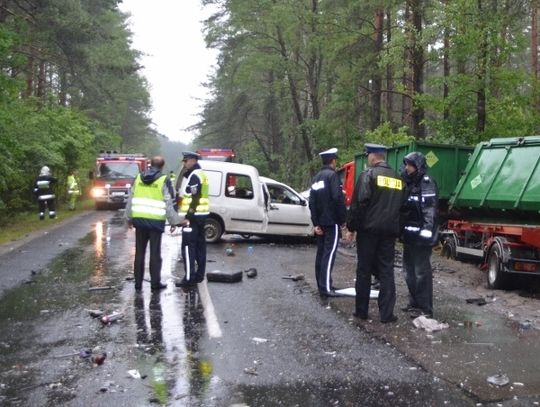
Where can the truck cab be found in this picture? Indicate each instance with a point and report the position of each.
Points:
(113, 177)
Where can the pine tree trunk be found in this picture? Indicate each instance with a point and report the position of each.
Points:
(534, 51)
(417, 66)
(389, 79)
(377, 77)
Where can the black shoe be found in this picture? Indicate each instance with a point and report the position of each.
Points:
(419, 313)
(185, 283)
(360, 315)
(138, 287)
(409, 308)
(329, 294)
(158, 287)
(392, 318)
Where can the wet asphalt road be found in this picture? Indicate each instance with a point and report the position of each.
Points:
(265, 341)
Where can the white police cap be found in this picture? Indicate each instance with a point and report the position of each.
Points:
(329, 154)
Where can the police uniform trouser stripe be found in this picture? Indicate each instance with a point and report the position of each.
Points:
(187, 263)
(331, 258)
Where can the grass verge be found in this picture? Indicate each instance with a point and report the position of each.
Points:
(24, 223)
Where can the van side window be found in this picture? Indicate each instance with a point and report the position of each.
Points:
(239, 186)
(281, 195)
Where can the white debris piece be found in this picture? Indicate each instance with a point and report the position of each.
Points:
(429, 324)
(134, 373)
(259, 340)
(498, 380)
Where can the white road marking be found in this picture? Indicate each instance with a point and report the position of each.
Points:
(214, 330)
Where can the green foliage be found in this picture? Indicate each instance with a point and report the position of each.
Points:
(296, 77)
(69, 87)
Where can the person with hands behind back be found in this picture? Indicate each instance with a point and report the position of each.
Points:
(374, 216)
(328, 214)
(149, 205)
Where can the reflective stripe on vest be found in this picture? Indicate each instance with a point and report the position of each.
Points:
(73, 187)
(43, 184)
(203, 208)
(148, 200)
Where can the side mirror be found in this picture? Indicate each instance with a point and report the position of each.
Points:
(303, 202)
(90, 174)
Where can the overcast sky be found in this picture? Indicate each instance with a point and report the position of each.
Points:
(176, 61)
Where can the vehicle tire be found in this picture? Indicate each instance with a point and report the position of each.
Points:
(496, 277)
(449, 248)
(212, 230)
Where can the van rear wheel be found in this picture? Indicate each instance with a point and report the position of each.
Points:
(212, 230)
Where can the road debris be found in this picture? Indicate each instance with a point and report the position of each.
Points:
(429, 324)
(251, 272)
(108, 319)
(101, 288)
(294, 277)
(259, 340)
(99, 358)
(134, 373)
(478, 301)
(219, 276)
(499, 380)
(95, 313)
(251, 371)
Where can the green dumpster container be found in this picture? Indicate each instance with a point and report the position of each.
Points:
(503, 175)
(445, 163)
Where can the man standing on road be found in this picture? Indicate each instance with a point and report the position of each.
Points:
(374, 216)
(148, 206)
(327, 206)
(43, 189)
(420, 234)
(195, 207)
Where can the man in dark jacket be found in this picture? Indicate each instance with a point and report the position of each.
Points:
(43, 189)
(149, 205)
(374, 216)
(420, 233)
(328, 214)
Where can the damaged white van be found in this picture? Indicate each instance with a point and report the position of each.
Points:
(245, 203)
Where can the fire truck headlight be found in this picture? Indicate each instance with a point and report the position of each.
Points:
(97, 192)
(107, 186)
(128, 185)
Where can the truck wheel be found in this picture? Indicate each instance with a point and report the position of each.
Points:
(495, 276)
(212, 230)
(449, 248)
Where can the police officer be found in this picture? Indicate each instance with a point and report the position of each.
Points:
(43, 189)
(149, 205)
(374, 215)
(195, 207)
(328, 214)
(420, 233)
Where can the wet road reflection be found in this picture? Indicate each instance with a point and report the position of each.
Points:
(199, 368)
(154, 335)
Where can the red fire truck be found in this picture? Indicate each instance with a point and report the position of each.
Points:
(217, 154)
(114, 176)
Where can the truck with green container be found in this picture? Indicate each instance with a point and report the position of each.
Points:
(495, 209)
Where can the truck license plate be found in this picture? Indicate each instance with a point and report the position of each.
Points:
(117, 194)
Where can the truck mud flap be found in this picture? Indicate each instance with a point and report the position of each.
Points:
(217, 276)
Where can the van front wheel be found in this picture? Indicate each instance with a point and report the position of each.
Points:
(212, 230)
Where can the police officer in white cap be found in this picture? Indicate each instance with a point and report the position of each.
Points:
(327, 206)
